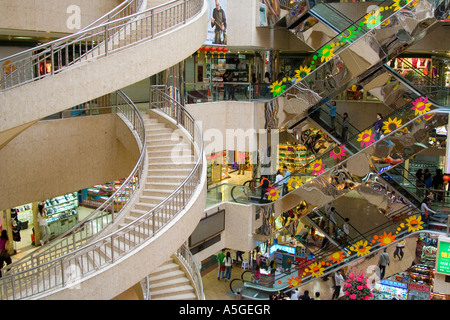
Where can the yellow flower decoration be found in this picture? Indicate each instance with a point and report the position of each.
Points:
(277, 88)
(421, 105)
(391, 125)
(414, 223)
(294, 183)
(385, 239)
(361, 248)
(294, 282)
(316, 269)
(366, 138)
(337, 257)
(301, 73)
(273, 193)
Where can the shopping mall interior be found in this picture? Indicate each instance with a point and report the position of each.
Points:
(224, 150)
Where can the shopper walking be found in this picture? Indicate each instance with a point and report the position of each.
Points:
(399, 249)
(383, 261)
(4, 255)
(228, 261)
(338, 279)
(221, 264)
(43, 224)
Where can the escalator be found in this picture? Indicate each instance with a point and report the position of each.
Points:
(360, 159)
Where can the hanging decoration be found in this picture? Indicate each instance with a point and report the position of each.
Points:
(338, 152)
(273, 193)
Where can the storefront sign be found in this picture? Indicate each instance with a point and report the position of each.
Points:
(443, 257)
(280, 247)
(418, 292)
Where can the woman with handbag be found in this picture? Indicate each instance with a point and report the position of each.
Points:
(4, 255)
(228, 261)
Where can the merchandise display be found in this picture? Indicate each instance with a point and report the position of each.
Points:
(294, 157)
(98, 194)
(25, 215)
(62, 213)
(389, 290)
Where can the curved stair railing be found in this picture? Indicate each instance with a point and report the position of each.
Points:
(99, 254)
(180, 11)
(191, 266)
(105, 214)
(94, 42)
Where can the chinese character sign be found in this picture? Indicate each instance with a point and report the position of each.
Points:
(443, 257)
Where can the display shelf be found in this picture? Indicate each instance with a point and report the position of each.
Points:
(60, 204)
(25, 213)
(294, 157)
(99, 194)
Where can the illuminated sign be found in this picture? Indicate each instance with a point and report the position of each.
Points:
(277, 247)
(443, 257)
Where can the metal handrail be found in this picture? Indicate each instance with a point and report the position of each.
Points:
(185, 257)
(105, 214)
(72, 266)
(94, 42)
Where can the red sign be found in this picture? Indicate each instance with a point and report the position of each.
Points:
(419, 287)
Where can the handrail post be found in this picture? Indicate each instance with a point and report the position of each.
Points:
(106, 40)
(63, 278)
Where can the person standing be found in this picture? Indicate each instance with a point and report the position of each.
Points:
(332, 222)
(279, 182)
(332, 106)
(346, 229)
(287, 176)
(426, 211)
(295, 294)
(420, 183)
(4, 255)
(383, 261)
(265, 183)
(338, 279)
(377, 126)
(221, 264)
(317, 296)
(345, 124)
(43, 224)
(228, 262)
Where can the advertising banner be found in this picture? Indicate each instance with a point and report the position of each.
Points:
(217, 23)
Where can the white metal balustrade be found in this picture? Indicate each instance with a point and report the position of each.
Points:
(106, 36)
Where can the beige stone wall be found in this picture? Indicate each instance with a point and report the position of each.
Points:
(59, 156)
(51, 15)
(95, 78)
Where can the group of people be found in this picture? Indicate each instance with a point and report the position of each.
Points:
(295, 295)
(345, 121)
(424, 181)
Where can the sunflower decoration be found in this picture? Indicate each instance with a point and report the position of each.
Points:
(366, 137)
(385, 239)
(338, 152)
(326, 52)
(273, 193)
(414, 223)
(277, 88)
(372, 19)
(421, 105)
(294, 183)
(316, 269)
(349, 34)
(391, 125)
(317, 167)
(337, 257)
(301, 73)
(361, 248)
(398, 4)
(294, 281)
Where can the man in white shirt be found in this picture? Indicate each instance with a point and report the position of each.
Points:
(295, 294)
(338, 279)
